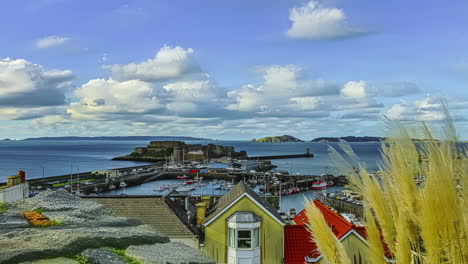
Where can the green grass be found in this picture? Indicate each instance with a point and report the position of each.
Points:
(3, 208)
(81, 259)
(121, 252)
(39, 211)
(65, 183)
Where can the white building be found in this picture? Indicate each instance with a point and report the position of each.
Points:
(17, 188)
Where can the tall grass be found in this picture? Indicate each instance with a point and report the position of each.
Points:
(429, 221)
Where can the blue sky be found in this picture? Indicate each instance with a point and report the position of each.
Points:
(229, 69)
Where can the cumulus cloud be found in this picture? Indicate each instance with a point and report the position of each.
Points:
(305, 103)
(100, 97)
(195, 90)
(24, 84)
(362, 89)
(313, 21)
(168, 63)
(354, 89)
(428, 108)
(51, 41)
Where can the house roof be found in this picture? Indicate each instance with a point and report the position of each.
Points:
(152, 211)
(298, 245)
(338, 224)
(235, 193)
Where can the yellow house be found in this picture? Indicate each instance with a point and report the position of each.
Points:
(243, 228)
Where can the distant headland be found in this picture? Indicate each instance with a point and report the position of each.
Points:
(147, 138)
(288, 138)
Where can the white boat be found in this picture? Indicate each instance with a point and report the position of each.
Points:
(122, 184)
(112, 186)
(214, 182)
(186, 189)
(158, 189)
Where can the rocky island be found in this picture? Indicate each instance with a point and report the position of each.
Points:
(158, 151)
(277, 139)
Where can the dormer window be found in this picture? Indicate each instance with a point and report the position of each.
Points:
(244, 238)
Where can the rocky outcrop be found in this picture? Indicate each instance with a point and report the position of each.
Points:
(174, 253)
(86, 224)
(278, 139)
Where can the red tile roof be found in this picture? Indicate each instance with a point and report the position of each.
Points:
(298, 245)
(338, 224)
(297, 240)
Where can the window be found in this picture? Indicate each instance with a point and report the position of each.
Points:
(232, 238)
(244, 239)
(256, 238)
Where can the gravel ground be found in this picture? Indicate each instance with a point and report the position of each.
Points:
(102, 256)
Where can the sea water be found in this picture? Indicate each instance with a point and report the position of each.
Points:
(42, 158)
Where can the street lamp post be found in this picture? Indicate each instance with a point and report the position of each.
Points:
(71, 177)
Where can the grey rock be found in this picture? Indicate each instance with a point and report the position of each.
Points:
(12, 220)
(169, 253)
(62, 206)
(102, 256)
(34, 243)
(87, 224)
(53, 261)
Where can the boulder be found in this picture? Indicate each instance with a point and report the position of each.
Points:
(10, 221)
(169, 253)
(102, 256)
(33, 243)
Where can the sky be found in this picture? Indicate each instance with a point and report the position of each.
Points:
(231, 69)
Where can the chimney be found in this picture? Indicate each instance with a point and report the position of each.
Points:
(22, 175)
(201, 211)
(206, 199)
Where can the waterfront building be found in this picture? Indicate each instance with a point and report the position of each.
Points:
(16, 188)
(242, 228)
(299, 248)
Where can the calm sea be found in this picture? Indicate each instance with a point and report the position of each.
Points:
(40, 158)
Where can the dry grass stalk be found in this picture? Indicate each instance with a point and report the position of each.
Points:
(327, 243)
(430, 220)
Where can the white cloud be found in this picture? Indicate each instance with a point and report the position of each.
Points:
(305, 103)
(313, 21)
(246, 99)
(24, 84)
(99, 98)
(169, 63)
(50, 41)
(356, 90)
(396, 111)
(197, 90)
(428, 108)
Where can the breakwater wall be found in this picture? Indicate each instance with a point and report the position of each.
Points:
(292, 156)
